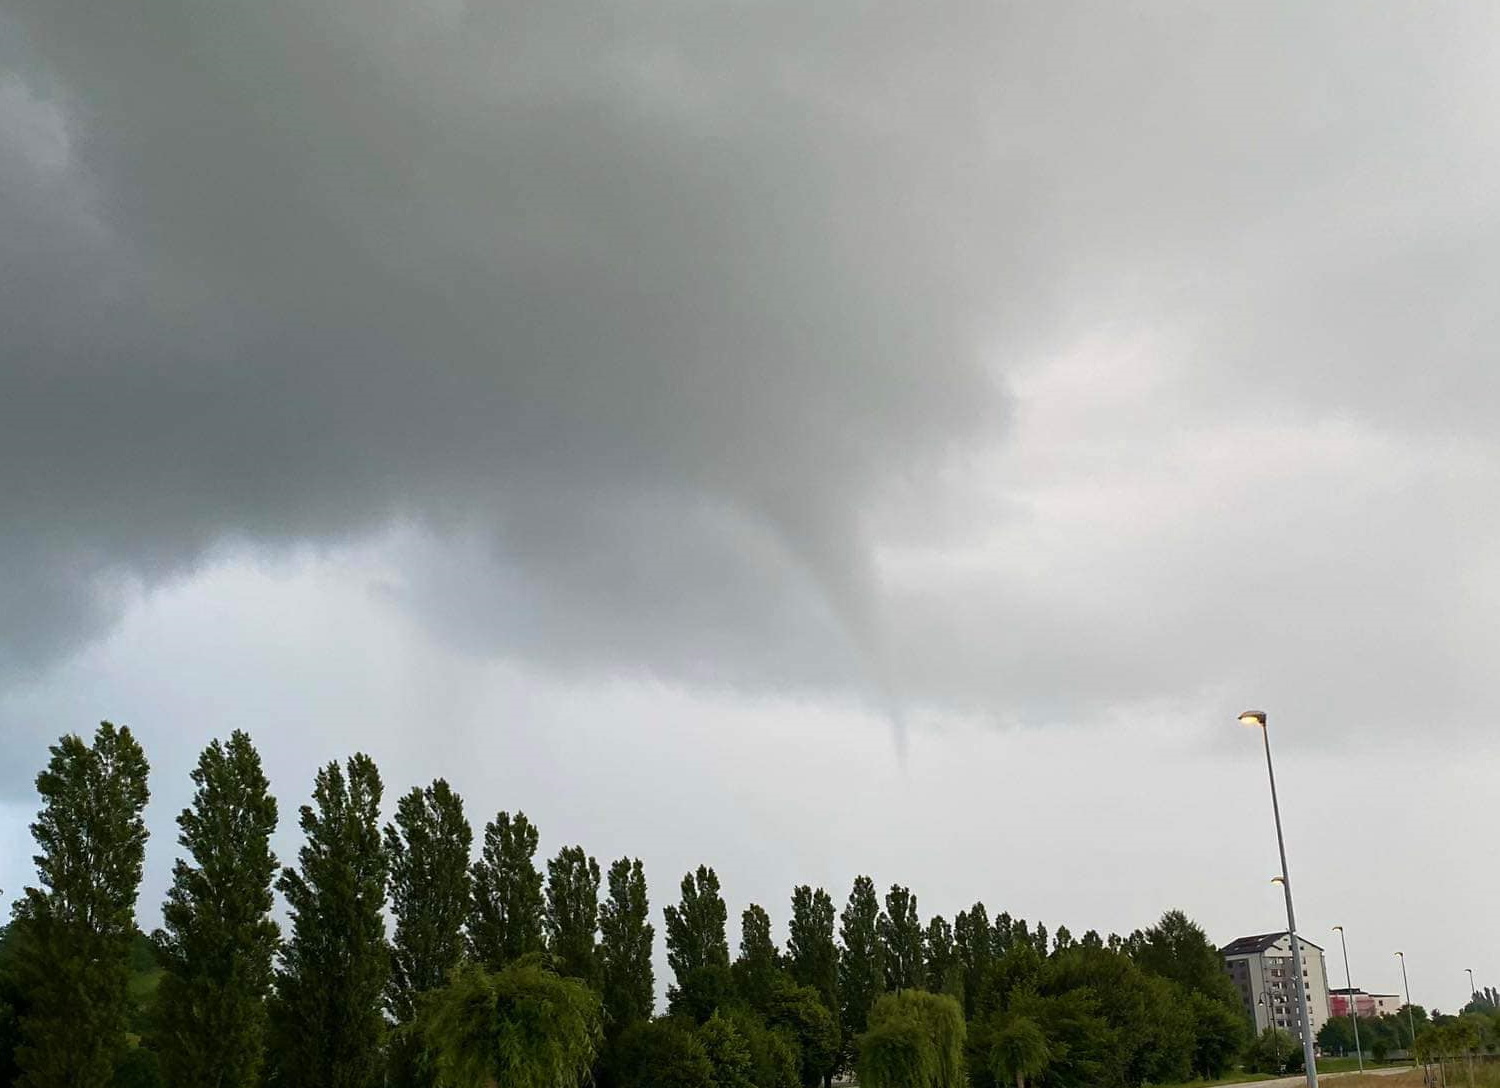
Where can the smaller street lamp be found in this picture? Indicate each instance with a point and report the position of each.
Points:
(1353, 1008)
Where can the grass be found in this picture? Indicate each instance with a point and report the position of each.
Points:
(1329, 1065)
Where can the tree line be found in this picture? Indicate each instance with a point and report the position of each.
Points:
(410, 961)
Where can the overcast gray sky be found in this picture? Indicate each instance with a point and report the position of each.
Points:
(662, 416)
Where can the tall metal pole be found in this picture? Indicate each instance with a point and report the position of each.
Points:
(1308, 1056)
(1353, 1008)
(1472, 992)
(1410, 1020)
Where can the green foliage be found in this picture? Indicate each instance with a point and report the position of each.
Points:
(140, 1067)
(427, 850)
(521, 1027)
(696, 926)
(572, 917)
(861, 959)
(1219, 1033)
(326, 1018)
(625, 941)
(701, 993)
(507, 909)
(973, 948)
(799, 1012)
(659, 1054)
(758, 966)
(1085, 1050)
(1017, 1051)
(72, 935)
(728, 1053)
(915, 1040)
(812, 956)
(943, 972)
(1273, 1051)
(901, 940)
(217, 940)
(1176, 948)
(775, 1057)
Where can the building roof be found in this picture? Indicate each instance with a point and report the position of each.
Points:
(1246, 946)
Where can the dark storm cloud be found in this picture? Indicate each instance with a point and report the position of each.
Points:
(638, 294)
(660, 321)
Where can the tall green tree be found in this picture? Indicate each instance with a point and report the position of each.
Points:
(427, 849)
(74, 946)
(572, 917)
(697, 936)
(506, 921)
(698, 948)
(812, 955)
(625, 942)
(758, 964)
(217, 941)
(973, 946)
(941, 963)
(901, 940)
(861, 958)
(327, 1022)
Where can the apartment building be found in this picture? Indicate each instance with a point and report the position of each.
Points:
(1261, 968)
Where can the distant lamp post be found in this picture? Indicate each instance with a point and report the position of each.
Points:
(1411, 1021)
(1473, 993)
(1310, 1060)
(1349, 989)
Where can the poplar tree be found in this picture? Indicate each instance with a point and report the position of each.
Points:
(901, 940)
(943, 973)
(812, 956)
(427, 850)
(218, 940)
(696, 927)
(862, 959)
(974, 951)
(758, 965)
(506, 920)
(73, 933)
(573, 914)
(327, 1020)
(627, 978)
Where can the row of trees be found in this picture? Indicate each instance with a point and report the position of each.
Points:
(491, 970)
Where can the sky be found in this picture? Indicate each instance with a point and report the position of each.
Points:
(809, 440)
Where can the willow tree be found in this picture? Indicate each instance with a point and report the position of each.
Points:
(520, 1027)
(1019, 1051)
(916, 1040)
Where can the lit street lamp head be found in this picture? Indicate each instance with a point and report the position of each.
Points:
(1338, 929)
(1279, 880)
(1253, 717)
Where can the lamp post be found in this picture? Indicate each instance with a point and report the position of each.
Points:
(1472, 992)
(1268, 1002)
(1353, 1009)
(1411, 1021)
(1258, 718)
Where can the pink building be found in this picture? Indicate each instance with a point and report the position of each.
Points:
(1364, 1004)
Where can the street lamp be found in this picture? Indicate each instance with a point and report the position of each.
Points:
(1310, 1060)
(1353, 1010)
(1472, 992)
(1410, 1020)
